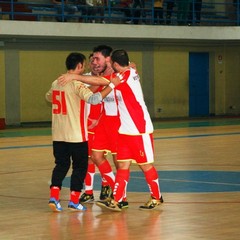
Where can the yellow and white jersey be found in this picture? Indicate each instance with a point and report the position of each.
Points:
(69, 111)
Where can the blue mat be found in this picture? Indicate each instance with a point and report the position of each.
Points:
(181, 181)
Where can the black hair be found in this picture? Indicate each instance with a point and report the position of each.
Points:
(104, 50)
(120, 56)
(90, 55)
(74, 59)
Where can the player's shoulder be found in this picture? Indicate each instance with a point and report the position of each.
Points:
(55, 82)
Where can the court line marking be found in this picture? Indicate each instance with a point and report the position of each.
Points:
(194, 181)
(199, 135)
(26, 146)
(156, 138)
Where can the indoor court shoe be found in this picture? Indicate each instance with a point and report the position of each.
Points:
(76, 206)
(152, 204)
(55, 205)
(109, 204)
(123, 204)
(106, 192)
(86, 198)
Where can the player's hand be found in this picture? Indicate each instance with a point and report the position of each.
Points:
(115, 81)
(65, 78)
(133, 65)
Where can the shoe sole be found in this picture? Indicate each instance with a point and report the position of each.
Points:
(53, 207)
(102, 205)
(77, 210)
(124, 207)
(150, 209)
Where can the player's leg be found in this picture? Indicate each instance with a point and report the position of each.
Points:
(79, 152)
(121, 181)
(124, 202)
(105, 170)
(62, 164)
(100, 145)
(152, 180)
(122, 175)
(145, 160)
(108, 137)
(88, 196)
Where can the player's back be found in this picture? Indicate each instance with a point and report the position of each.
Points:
(69, 120)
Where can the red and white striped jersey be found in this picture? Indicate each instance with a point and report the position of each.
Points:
(69, 111)
(134, 115)
(110, 105)
(94, 113)
(110, 101)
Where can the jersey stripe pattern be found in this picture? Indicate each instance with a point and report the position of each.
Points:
(94, 114)
(110, 101)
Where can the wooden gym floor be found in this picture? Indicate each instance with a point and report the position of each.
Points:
(199, 167)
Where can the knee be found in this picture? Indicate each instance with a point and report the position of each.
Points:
(97, 158)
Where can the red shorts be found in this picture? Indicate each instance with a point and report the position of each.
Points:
(90, 140)
(136, 148)
(106, 133)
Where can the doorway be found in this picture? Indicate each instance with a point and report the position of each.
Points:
(198, 84)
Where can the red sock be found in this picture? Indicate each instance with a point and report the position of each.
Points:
(151, 177)
(89, 178)
(107, 173)
(74, 197)
(54, 192)
(120, 187)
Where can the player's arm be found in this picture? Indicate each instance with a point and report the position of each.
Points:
(48, 95)
(93, 88)
(88, 96)
(91, 80)
(96, 98)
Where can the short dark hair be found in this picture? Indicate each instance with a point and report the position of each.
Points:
(120, 56)
(104, 50)
(91, 54)
(73, 59)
